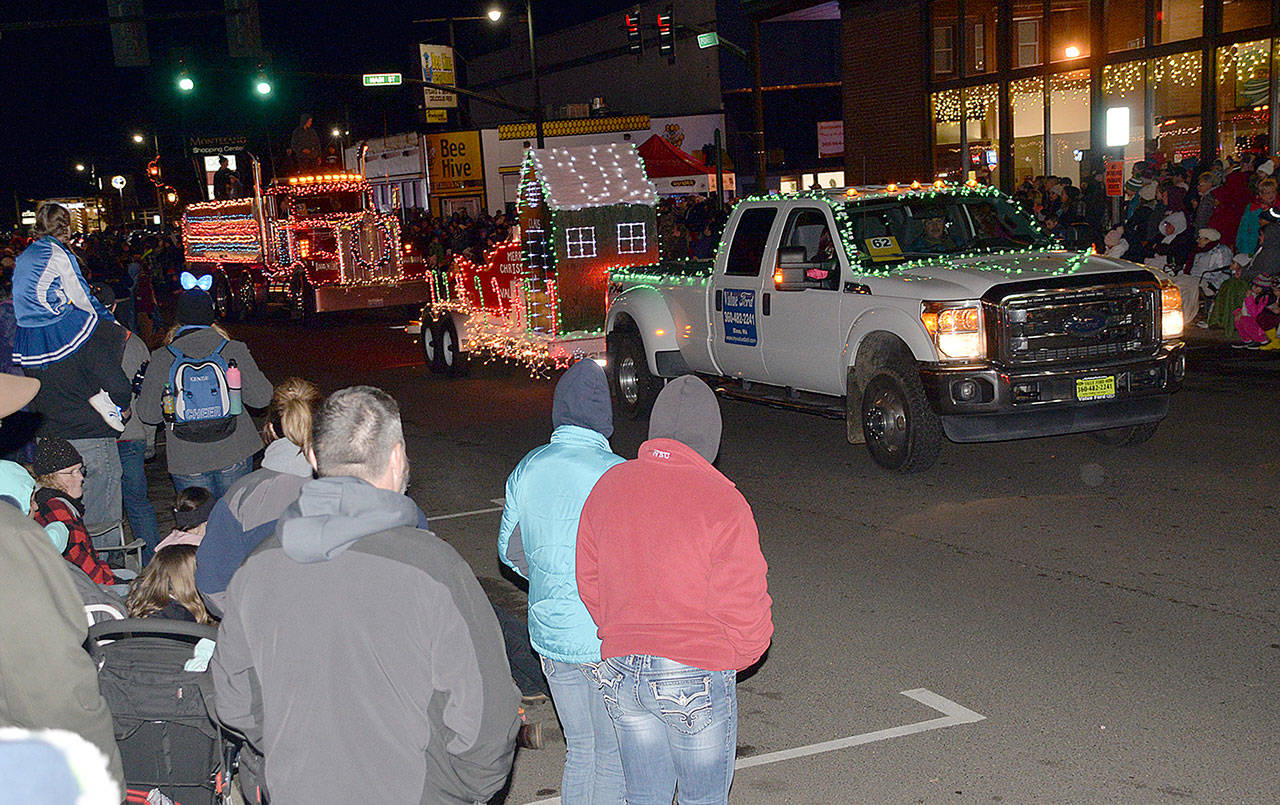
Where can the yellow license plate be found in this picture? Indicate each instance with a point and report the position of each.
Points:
(1096, 388)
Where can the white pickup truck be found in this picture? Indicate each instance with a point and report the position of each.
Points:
(912, 313)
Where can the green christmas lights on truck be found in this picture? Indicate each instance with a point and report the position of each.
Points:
(913, 313)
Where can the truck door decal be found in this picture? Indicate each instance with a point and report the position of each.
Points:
(739, 317)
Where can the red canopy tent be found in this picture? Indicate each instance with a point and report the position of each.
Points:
(674, 172)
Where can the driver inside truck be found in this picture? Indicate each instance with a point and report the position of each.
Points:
(933, 237)
(823, 269)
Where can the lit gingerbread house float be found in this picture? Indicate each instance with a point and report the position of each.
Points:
(540, 297)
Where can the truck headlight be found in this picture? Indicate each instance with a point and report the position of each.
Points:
(956, 329)
(1170, 312)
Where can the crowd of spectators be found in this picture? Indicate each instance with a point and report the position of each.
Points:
(439, 238)
(1203, 228)
(290, 561)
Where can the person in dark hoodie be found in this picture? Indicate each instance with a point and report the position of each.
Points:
(247, 513)
(357, 652)
(670, 568)
(537, 539)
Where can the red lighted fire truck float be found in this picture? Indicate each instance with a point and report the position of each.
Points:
(314, 244)
(539, 298)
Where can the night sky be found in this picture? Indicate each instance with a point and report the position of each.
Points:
(66, 102)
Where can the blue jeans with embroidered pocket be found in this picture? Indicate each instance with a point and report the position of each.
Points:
(677, 728)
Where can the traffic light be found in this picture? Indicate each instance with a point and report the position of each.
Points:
(262, 85)
(635, 41)
(666, 35)
(153, 171)
(185, 82)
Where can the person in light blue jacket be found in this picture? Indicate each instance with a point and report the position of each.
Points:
(538, 539)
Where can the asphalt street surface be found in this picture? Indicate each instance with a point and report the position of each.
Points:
(1112, 614)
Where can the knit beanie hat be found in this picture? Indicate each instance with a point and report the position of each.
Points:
(54, 453)
(1209, 234)
(195, 307)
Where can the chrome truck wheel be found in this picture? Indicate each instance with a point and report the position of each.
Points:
(634, 387)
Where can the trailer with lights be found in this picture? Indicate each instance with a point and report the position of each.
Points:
(539, 298)
(312, 243)
(913, 313)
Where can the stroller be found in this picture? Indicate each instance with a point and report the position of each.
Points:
(171, 748)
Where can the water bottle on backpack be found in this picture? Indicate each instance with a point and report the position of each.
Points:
(233, 387)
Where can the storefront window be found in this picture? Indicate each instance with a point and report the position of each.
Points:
(1069, 24)
(1177, 20)
(982, 125)
(1068, 122)
(1244, 88)
(946, 135)
(1240, 14)
(946, 17)
(1174, 90)
(1028, 32)
(1124, 88)
(980, 36)
(1026, 96)
(1126, 24)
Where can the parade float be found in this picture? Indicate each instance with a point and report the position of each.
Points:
(312, 243)
(539, 297)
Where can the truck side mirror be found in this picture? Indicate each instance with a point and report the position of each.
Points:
(790, 272)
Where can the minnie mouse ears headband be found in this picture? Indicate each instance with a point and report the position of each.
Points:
(189, 281)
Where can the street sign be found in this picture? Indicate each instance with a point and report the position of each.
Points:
(437, 68)
(117, 182)
(1115, 177)
(708, 40)
(382, 79)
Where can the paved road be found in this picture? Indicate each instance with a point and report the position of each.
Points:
(1113, 614)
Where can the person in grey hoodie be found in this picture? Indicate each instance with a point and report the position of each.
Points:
(214, 465)
(357, 652)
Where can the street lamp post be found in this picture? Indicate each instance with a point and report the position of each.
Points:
(155, 141)
(533, 68)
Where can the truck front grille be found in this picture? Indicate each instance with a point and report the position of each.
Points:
(1089, 324)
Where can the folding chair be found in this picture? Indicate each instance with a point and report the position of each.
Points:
(109, 539)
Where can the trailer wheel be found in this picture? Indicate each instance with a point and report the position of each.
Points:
(634, 387)
(431, 345)
(1126, 436)
(452, 358)
(903, 433)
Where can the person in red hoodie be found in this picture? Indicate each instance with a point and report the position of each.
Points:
(670, 569)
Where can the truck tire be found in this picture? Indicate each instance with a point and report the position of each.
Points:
(634, 387)
(431, 346)
(902, 432)
(1126, 436)
(247, 301)
(223, 302)
(452, 358)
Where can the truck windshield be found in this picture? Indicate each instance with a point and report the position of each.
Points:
(326, 203)
(910, 228)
